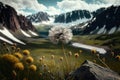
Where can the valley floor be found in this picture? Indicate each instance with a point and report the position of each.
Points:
(43, 47)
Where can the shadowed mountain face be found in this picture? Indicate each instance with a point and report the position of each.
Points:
(107, 21)
(25, 23)
(73, 16)
(12, 21)
(78, 16)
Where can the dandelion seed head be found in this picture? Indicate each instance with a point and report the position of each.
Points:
(40, 59)
(60, 34)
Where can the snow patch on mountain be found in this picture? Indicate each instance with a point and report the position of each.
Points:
(5, 40)
(33, 33)
(84, 25)
(25, 34)
(101, 30)
(10, 36)
(112, 30)
(73, 23)
(93, 19)
(118, 28)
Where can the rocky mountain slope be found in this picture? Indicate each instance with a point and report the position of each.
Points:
(107, 22)
(13, 26)
(73, 16)
(78, 16)
(38, 17)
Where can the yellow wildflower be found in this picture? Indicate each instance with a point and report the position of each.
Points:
(76, 55)
(19, 66)
(93, 51)
(29, 59)
(52, 56)
(40, 59)
(61, 58)
(18, 55)
(118, 57)
(10, 58)
(33, 67)
(26, 52)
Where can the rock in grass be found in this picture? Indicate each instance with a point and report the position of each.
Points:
(92, 71)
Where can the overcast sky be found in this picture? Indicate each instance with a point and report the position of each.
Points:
(52, 7)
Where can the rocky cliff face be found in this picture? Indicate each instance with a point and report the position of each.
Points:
(38, 17)
(73, 16)
(25, 24)
(107, 21)
(12, 21)
(8, 17)
(14, 27)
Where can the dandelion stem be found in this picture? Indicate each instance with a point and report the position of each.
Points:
(65, 57)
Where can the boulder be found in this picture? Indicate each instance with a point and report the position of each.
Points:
(92, 71)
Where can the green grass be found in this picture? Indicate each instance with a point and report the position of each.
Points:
(44, 47)
(88, 39)
(109, 40)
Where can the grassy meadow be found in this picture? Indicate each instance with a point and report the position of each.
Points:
(42, 60)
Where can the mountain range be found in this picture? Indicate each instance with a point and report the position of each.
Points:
(107, 22)
(101, 21)
(38, 17)
(14, 27)
(81, 15)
